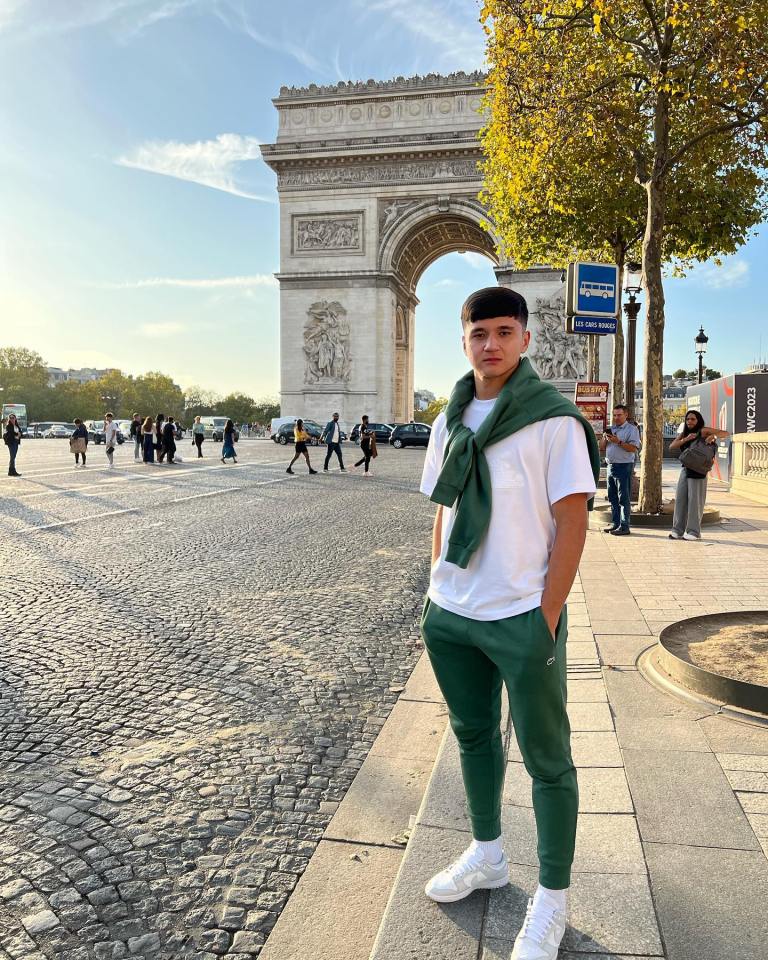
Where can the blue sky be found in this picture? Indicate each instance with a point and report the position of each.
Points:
(138, 224)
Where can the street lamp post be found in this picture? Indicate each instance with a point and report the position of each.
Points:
(632, 286)
(701, 342)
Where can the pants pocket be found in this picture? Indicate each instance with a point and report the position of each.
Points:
(552, 639)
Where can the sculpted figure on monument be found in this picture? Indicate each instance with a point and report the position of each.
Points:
(557, 355)
(324, 234)
(326, 342)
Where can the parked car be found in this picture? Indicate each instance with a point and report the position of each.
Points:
(284, 433)
(36, 431)
(410, 435)
(214, 428)
(381, 430)
(96, 433)
(59, 431)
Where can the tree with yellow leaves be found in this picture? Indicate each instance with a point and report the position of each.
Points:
(624, 124)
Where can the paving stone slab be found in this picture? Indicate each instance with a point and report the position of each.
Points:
(359, 878)
(586, 691)
(589, 749)
(685, 798)
(622, 650)
(728, 736)
(422, 684)
(747, 780)
(720, 916)
(630, 694)
(605, 843)
(416, 928)
(662, 733)
(749, 762)
(595, 717)
(606, 912)
(581, 650)
(494, 949)
(384, 795)
(626, 626)
(418, 725)
(444, 803)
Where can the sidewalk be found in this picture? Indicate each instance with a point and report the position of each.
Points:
(672, 843)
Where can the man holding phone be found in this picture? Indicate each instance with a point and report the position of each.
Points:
(622, 442)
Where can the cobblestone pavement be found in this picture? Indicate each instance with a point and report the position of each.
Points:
(196, 661)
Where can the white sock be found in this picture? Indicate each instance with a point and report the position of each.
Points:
(556, 897)
(492, 850)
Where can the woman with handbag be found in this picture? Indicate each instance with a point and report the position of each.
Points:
(12, 439)
(698, 446)
(78, 442)
(301, 438)
(228, 444)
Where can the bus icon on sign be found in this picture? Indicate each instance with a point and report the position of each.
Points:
(589, 289)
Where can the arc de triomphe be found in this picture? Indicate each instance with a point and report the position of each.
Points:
(376, 181)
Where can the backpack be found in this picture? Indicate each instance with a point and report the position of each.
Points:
(699, 456)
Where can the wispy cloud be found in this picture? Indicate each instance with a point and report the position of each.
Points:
(446, 282)
(158, 331)
(126, 18)
(445, 24)
(476, 260)
(733, 273)
(235, 15)
(212, 283)
(210, 163)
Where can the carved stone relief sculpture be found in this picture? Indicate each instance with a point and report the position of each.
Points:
(314, 234)
(326, 343)
(556, 354)
(390, 211)
(381, 173)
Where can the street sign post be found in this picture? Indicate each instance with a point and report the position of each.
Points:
(593, 290)
(590, 325)
(592, 401)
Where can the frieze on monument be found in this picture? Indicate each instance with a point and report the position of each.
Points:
(397, 85)
(418, 170)
(331, 233)
(326, 343)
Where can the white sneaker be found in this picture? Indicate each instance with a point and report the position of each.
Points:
(690, 536)
(542, 931)
(675, 535)
(470, 872)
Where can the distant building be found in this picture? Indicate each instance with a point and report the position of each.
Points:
(672, 396)
(756, 368)
(83, 375)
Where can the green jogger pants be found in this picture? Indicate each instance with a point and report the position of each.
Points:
(471, 660)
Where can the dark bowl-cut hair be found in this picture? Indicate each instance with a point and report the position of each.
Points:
(491, 302)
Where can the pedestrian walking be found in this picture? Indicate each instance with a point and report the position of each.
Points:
(159, 421)
(621, 444)
(300, 437)
(12, 440)
(228, 446)
(110, 439)
(135, 433)
(198, 436)
(367, 445)
(511, 464)
(691, 493)
(332, 436)
(169, 439)
(78, 442)
(148, 440)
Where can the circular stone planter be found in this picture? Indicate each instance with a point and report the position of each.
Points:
(601, 517)
(694, 654)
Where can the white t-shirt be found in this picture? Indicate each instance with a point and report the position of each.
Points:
(110, 433)
(530, 470)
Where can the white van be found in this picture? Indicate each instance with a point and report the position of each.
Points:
(276, 423)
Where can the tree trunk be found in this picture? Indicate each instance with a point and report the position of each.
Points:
(594, 373)
(653, 411)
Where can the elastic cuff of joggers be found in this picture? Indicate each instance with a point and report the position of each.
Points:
(555, 878)
(486, 829)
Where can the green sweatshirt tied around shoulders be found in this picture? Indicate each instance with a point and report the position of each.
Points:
(465, 476)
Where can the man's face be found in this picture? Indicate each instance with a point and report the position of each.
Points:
(494, 347)
(619, 416)
(335, 416)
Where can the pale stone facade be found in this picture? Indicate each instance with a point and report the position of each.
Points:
(376, 181)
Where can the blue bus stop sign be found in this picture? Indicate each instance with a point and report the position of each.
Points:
(593, 289)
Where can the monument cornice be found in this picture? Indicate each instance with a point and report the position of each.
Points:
(430, 82)
(330, 145)
(312, 161)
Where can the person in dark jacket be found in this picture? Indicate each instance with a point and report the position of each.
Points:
(148, 440)
(332, 436)
(12, 439)
(78, 442)
(135, 434)
(169, 441)
(159, 421)
(228, 447)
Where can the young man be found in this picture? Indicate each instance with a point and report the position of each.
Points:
(110, 440)
(512, 464)
(136, 435)
(332, 436)
(621, 443)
